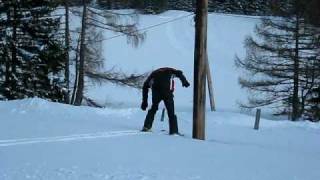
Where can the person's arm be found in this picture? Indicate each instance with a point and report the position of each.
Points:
(145, 90)
(183, 79)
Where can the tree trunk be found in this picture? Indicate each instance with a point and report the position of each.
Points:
(295, 98)
(80, 87)
(67, 44)
(75, 85)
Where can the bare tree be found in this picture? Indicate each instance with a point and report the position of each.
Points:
(80, 85)
(120, 78)
(89, 57)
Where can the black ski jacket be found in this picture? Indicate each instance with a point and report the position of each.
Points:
(160, 81)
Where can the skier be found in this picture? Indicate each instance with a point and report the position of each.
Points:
(162, 84)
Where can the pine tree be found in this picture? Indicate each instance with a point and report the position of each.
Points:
(10, 87)
(27, 40)
(279, 64)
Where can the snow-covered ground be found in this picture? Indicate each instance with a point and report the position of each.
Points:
(43, 140)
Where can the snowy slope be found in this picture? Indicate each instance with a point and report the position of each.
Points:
(43, 140)
(172, 45)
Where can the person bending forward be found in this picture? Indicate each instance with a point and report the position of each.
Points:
(162, 84)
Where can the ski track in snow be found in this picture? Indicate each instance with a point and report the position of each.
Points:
(75, 137)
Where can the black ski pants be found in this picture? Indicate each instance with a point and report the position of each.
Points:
(169, 104)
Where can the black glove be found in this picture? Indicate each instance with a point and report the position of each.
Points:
(186, 84)
(144, 105)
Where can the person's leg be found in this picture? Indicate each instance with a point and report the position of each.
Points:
(152, 111)
(173, 124)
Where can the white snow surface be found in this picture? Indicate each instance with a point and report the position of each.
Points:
(45, 140)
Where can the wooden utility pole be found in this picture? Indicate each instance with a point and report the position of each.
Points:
(200, 70)
(210, 85)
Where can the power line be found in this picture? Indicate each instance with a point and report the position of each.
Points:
(179, 18)
(148, 27)
(173, 20)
